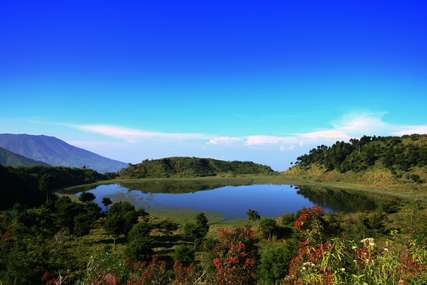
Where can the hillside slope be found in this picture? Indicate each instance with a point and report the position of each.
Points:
(370, 160)
(56, 152)
(8, 158)
(192, 167)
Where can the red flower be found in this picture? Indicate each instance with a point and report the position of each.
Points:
(217, 263)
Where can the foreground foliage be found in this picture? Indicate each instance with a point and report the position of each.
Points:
(51, 245)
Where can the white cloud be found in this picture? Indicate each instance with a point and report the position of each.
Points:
(325, 134)
(224, 140)
(133, 135)
(361, 124)
(349, 126)
(410, 130)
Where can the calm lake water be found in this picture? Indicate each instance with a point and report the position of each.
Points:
(234, 201)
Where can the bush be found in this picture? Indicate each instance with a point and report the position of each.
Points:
(253, 215)
(139, 230)
(199, 230)
(235, 257)
(274, 263)
(87, 197)
(184, 254)
(268, 228)
(288, 219)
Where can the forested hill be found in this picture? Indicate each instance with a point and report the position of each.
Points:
(192, 167)
(393, 158)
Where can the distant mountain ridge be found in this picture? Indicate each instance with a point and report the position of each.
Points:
(56, 152)
(8, 158)
(192, 167)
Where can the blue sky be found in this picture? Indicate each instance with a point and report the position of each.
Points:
(255, 80)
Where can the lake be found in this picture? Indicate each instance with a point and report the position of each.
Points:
(231, 202)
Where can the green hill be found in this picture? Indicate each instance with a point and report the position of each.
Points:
(8, 158)
(369, 160)
(192, 167)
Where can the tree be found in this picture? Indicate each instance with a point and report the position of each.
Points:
(253, 215)
(87, 197)
(45, 184)
(167, 227)
(106, 202)
(120, 219)
(139, 230)
(140, 249)
(202, 222)
(82, 224)
(268, 228)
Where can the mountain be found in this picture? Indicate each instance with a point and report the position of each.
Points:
(369, 160)
(192, 167)
(56, 152)
(8, 158)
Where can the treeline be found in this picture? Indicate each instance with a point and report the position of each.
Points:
(31, 186)
(192, 167)
(394, 153)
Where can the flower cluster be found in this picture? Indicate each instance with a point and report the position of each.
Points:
(184, 274)
(305, 216)
(236, 257)
(153, 272)
(368, 242)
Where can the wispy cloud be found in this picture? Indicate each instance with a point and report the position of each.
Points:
(347, 127)
(224, 140)
(133, 135)
(409, 130)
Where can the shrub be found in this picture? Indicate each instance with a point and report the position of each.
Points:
(288, 219)
(87, 197)
(235, 257)
(268, 228)
(274, 263)
(139, 230)
(184, 255)
(149, 273)
(253, 215)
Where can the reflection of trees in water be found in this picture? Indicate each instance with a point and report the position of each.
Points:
(340, 200)
(177, 186)
(139, 199)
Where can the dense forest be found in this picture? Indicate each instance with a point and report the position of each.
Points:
(32, 185)
(192, 167)
(397, 154)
